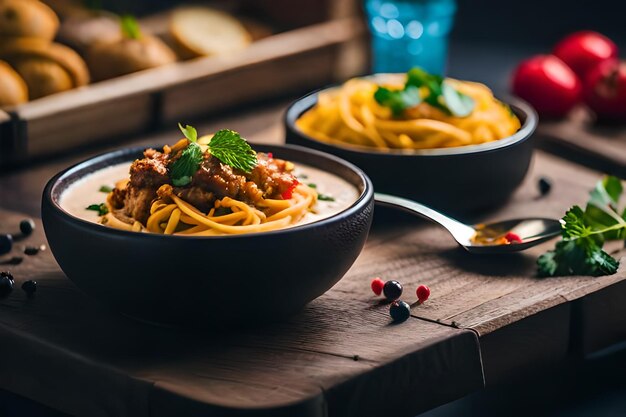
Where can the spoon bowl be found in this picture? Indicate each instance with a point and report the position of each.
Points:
(532, 231)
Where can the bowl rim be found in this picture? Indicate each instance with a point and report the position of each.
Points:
(298, 107)
(366, 197)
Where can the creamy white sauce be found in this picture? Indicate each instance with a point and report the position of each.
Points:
(86, 191)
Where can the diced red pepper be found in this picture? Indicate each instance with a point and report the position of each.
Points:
(270, 155)
(288, 193)
(513, 237)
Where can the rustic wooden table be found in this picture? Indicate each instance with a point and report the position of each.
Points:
(488, 319)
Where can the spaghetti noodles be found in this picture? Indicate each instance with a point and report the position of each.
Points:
(349, 114)
(170, 214)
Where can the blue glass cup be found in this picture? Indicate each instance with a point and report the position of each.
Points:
(410, 33)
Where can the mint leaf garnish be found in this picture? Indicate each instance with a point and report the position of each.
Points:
(229, 147)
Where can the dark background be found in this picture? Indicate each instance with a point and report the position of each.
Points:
(537, 22)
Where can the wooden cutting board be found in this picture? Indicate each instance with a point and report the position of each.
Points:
(580, 138)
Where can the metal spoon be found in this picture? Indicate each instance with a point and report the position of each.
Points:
(532, 231)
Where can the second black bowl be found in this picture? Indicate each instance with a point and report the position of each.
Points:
(455, 180)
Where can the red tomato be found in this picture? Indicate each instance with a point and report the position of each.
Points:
(605, 90)
(583, 50)
(548, 84)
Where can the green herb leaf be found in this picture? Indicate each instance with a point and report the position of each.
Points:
(100, 208)
(398, 100)
(186, 165)
(312, 185)
(190, 132)
(324, 197)
(457, 103)
(130, 27)
(584, 233)
(576, 257)
(106, 189)
(440, 94)
(229, 147)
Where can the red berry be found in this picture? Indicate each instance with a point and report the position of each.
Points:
(377, 285)
(548, 84)
(605, 90)
(513, 237)
(583, 50)
(422, 292)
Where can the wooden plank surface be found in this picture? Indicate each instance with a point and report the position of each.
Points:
(578, 137)
(339, 357)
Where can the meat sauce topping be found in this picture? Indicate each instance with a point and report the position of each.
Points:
(270, 178)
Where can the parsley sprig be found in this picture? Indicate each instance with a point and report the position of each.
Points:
(584, 233)
(226, 145)
(439, 94)
(130, 27)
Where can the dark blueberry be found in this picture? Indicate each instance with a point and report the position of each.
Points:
(399, 311)
(392, 290)
(29, 286)
(27, 226)
(6, 243)
(545, 185)
(6, 285)
(7, 274)
(31, 250)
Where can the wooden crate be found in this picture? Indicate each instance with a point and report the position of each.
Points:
(289, 62)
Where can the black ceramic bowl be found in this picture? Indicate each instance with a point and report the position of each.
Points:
(208, 281)
(455, 180)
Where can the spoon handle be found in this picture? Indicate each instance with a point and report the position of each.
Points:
(455, 227)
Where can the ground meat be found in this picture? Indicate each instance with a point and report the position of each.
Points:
(146, 176)
(196, 196)
(151, 171)
(269, 179)
(271, 176)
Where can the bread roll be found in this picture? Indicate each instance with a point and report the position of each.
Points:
(43, 76)
(20, 50)
(13, 89)
(27, 18)
(125, 55)
(202, 31)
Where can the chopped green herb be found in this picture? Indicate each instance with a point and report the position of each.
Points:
(439, 93)
(226, 145)
(106, 189)
(100, 208)
(303, 177)
(324, 197)
(398, 100)
(584, 233)
(184, 167)
(190, 132)
(130, 27)
(312, 185)
(229, 147)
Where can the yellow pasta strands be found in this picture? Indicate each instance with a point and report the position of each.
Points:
(350, 115)
(171, 215)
